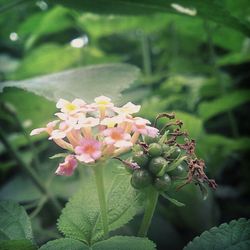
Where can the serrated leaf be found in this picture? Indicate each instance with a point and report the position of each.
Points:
(172, 200)
(64, 244)
(113, 243)
(208, 9)
(222, 104)
(16, 244)
(80, 218)
(232, 236)
(84, 82)
(125, 243)
(14, 222)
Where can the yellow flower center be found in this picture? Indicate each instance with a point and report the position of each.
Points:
(70, 107)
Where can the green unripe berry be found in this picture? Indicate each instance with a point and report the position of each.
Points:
(154, 149)
(156, 165)
(141, 178)
(165, 148)
(148, 140)
(179, 171)
(175, 153)
(163, 183)
(140, 158)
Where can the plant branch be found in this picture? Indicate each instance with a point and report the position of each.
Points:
(28, 170)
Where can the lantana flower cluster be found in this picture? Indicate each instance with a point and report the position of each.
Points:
(95, 131)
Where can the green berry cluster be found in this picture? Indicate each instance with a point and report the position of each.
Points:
(159, 164)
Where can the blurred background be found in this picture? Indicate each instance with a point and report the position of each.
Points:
(191, 64)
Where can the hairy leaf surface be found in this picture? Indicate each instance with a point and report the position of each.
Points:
(232, 236)
(81, 219)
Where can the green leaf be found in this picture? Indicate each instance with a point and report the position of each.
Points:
(174, 201)
(21, 189)
(54, 20)
(14, 222)
(191, 123)
(45, 60)
(222, 104)
(206, 9)
(64, 244)
(16, 244)
(86, 83)
(232, 236)
(234, 59)
(80, 218)
(33, 110)
(117, 243)
(211, 144)
(125, 243)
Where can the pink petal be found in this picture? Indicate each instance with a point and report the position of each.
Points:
(109, 140)
(57, 134)
(79, 102)
(96, 155)
(85, 158)
(67, 167)
(152, 132)
(123, 144)
(79, 150)
(37, 131)
(61, 103)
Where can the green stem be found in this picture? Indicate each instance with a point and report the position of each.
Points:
(29, 171)
(217, 74)
(146, 57)
(98, 171)
(152, 198)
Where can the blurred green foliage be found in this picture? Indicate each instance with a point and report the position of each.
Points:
(194, 65)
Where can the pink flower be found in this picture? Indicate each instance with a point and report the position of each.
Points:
(68, 166)
(140, 126)
(128, 109)
(64, 128)
(89, 150)
(152, 131)
(71, 107)
(48, 129)
(110, 122)
(103, 104)
(85, 122)
(116, 136)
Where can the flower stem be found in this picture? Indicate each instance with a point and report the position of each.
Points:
(152, 198)
(98, 170)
